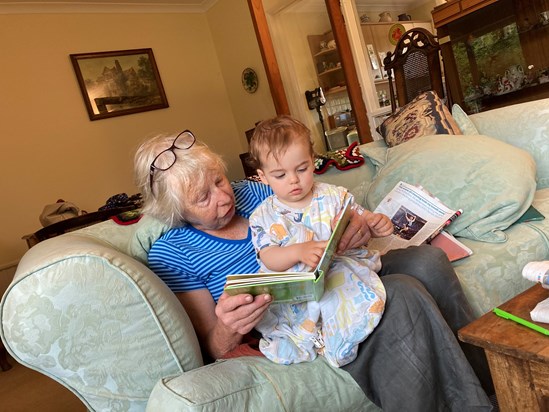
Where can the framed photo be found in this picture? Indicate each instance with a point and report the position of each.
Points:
(117, 83)
(373, 57)
(382, 56)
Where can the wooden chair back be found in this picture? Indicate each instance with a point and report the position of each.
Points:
(415, 64)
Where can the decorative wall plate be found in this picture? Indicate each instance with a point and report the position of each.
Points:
(250, 81)
(395, 33)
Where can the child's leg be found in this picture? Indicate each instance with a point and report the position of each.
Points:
(288, 331)
(351, 308)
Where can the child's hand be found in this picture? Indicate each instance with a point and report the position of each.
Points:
(310, 252)
(380, 224)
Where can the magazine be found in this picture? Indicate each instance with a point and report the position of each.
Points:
(417, 217)
(293, 287)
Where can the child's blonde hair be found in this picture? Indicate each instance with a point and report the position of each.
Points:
(274, 136)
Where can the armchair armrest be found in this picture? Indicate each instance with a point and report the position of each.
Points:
(97, 321)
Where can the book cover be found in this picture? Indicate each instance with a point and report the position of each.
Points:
(454, 249)
(292, 287)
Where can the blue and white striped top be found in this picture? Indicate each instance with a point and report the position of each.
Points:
(188, 259)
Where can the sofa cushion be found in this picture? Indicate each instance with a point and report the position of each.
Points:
(463, 121)
(255, 383)
(492, 181)
(524, 125)
(375, 152)
(148, 230)
(424, 115)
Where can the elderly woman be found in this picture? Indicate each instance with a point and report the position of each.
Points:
(412, 360)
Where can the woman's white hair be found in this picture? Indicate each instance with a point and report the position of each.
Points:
(171, 188)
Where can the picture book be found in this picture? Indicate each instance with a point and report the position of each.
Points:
(454, 249)
(293, 287)
(417, 217)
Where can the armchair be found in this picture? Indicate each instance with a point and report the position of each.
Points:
(84, 310)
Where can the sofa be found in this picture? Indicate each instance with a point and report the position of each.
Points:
(84, 309)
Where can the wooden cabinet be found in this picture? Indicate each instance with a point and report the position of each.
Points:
(495, 52)
(327, 62)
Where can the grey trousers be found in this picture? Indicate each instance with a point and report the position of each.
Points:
(413, 360)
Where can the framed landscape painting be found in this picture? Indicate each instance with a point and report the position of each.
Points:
(116, 83)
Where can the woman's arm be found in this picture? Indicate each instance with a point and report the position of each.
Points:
(220, 327)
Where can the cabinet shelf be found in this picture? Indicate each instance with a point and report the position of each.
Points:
(325, 52)
(334, 70)
(335, 89)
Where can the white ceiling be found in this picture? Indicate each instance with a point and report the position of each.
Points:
(181, 6)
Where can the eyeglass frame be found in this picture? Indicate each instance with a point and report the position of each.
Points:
(172, 148)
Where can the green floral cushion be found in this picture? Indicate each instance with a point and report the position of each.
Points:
(525, 125)
(425, 115)
(492, 181)
(462, 119)
(252, 383)
(98, 322)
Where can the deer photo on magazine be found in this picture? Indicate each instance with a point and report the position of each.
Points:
(417, 217)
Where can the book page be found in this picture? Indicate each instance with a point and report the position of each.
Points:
(248, 279)
(331, 247)
(416, 217)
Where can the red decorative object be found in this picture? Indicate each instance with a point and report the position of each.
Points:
(343, 159)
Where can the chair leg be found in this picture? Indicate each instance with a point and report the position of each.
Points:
(4, 364)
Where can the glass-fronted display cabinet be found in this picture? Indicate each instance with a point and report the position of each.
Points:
(495, 53)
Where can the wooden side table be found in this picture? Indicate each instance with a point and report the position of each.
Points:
(518, 356)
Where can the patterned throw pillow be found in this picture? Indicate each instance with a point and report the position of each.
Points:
(425, 115)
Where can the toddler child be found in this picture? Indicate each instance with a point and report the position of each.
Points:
(290, 230)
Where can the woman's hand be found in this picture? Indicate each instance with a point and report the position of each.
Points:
(380, 225)
(357, 233)
(241, 313)
(220, 327)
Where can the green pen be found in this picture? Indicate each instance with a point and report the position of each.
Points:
(507, 315)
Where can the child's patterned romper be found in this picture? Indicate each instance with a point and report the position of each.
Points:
(354, 297)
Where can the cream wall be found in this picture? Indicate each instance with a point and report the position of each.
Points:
(236, 48)
(289, 32)
(49, 147)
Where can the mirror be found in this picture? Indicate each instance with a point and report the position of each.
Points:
(283, 17)
(286, 21)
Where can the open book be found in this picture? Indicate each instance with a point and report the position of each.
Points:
(293, 287)
(417, 217)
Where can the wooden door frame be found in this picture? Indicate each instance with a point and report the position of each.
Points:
(272, 69)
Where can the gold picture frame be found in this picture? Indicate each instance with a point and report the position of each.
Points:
(117, 83)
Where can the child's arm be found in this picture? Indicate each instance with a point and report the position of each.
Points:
(282, 258)
(380, 224)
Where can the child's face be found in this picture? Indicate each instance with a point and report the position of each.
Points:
(291, 176)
